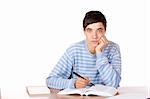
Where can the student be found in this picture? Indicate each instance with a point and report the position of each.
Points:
(96, 58)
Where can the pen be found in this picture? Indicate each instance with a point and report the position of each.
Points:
(82, 77)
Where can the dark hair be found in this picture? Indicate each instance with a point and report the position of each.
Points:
(94, 17)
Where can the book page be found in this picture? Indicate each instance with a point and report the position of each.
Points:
(68, 91)
(37, 90)
(102, 90)
(99, 90)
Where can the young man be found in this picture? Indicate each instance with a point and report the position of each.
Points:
(96, 59)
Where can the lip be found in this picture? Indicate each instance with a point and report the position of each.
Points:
(94, 41)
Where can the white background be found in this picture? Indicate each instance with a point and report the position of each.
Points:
(35, 33)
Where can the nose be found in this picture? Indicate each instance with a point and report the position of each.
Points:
(94, 35)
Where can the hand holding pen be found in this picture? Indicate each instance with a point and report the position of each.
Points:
(81, 82)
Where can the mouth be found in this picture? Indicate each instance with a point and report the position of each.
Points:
(94, 41)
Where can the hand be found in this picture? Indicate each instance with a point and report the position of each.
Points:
(102, 43)
(81, 83)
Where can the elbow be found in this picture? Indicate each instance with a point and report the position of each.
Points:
(50, 86)
(117, 82)
(48, 82)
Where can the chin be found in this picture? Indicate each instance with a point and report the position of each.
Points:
(94, 45)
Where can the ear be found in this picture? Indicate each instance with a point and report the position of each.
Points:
(105, 33)
(84, 32)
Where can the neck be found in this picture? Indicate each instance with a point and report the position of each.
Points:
(91, 49)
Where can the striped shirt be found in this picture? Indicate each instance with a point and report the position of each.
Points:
(101, 68)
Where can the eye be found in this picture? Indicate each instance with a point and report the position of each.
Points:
(88, 30)
(100, 30)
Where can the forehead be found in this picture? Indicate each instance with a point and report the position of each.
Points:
(95, 25)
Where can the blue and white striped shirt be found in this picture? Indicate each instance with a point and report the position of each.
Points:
(102, 68)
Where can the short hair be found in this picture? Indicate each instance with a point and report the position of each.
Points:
(94, 17)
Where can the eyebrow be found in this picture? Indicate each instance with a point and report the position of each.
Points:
(92, 29)
(100, 28)
(89, 28)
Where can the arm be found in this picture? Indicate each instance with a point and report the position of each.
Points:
(58, 78)
(110, 70)
(52, 90)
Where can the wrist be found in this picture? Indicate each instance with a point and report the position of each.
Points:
(99, 55)
(98, 50)
(71, 83)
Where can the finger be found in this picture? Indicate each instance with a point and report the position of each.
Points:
(102, 42)
(105, 41)
(80, 80)
(83, 81)
(100, 38)
(80, 86)
(86, 79)
(105, 38)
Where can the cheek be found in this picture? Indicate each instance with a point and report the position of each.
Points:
(100, 35)
(88, 37)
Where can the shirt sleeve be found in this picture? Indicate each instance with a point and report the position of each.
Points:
(58, 78)
(110, 68)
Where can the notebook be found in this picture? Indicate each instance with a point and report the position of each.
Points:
(37, 90)
(98, 90)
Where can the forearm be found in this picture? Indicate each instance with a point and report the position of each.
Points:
(59, 76)
(109, 76)
(53, 90)
(59, 83)
(109, 73)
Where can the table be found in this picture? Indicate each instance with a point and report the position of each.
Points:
(0, 93)
(125, 93)
(132, 93)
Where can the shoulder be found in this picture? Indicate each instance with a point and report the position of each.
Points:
(112, 46)
(111, 50)
(76, 46)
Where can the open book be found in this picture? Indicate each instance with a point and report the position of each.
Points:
(37, 90)
(99, 90)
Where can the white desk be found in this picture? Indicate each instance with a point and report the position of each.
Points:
(125, 93)
(0, 93)
(132, 93)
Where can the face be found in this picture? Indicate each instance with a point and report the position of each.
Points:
(93, 33)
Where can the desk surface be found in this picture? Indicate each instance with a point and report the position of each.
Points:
(125, 93)
(0, 93)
